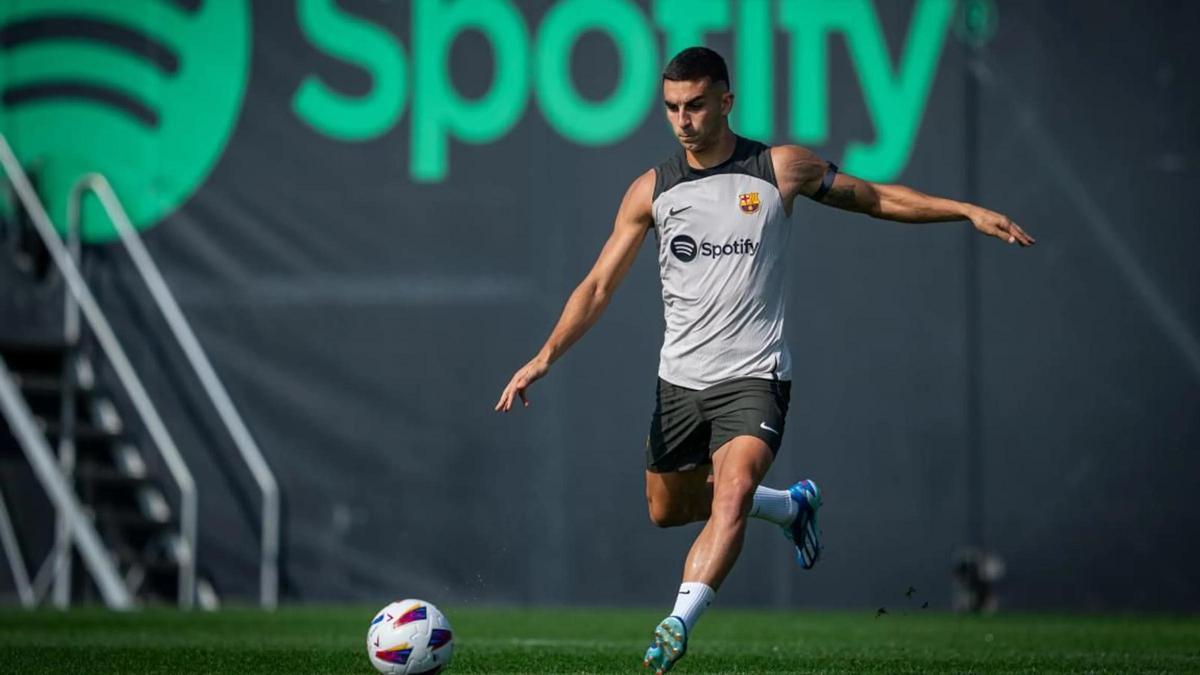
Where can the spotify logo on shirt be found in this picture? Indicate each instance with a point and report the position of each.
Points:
(685, 249)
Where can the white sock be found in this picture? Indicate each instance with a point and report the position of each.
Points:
(694, 597)
(776, 506)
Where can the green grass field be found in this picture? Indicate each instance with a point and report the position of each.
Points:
(331, 640)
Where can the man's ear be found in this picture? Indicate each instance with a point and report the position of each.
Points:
(726, 102)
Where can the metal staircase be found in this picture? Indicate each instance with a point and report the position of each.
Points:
(122, 495)
(105, 466)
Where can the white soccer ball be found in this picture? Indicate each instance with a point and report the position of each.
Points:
(409, 637)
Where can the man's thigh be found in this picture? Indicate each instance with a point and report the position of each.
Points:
(741, 463)
(686, 486)
(747, 407)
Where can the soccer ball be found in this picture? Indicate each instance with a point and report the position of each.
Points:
(409, 637)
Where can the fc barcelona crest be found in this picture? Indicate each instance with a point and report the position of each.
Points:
(749, 202)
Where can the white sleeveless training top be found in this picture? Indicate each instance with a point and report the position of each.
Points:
(722, 241)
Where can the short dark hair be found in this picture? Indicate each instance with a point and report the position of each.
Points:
(697, 63)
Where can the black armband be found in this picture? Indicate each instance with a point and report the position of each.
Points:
(826, 182)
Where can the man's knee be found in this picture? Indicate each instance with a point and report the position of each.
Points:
(732, 500)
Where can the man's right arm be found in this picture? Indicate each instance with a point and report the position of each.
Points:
(589, 299)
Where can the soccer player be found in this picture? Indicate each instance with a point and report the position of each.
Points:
(719, 210)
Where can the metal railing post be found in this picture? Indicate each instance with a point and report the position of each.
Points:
(61, 561)
(16, 562)
(209, 380)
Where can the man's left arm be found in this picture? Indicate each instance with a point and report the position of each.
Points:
(801, 172)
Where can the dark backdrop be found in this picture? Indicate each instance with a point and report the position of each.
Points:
(365, 324)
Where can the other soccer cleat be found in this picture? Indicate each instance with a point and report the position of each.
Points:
(803, 529)
(668, 645)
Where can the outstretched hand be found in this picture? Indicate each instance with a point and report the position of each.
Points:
(527, 375)
(998, 225)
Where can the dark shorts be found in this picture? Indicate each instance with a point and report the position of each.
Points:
(689, 425)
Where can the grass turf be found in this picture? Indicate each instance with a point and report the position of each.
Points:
(331, 640)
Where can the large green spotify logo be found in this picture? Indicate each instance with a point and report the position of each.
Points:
(532, 67)
(146, 92)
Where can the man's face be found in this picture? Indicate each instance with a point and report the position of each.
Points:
(696, 110)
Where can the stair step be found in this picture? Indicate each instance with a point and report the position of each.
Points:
(129, 519)
(96, 450)
(159, 567)
(45, 383)
(33, 358)
(85, 432)
(148, 559)
(44, 396)
(127, 458)
(140, 498)
(110, 476)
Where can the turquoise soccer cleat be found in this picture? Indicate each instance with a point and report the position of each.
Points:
(803, 530)
(668, 646)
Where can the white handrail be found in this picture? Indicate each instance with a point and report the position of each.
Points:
(37, 450)
(66, 441)
(124, 370)
(59, 560)
(196, 356)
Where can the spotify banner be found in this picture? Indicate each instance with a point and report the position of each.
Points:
(148, 92)
(373, 210)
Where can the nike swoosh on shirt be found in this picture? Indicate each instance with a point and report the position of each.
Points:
(763, 425)
(678, 211)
